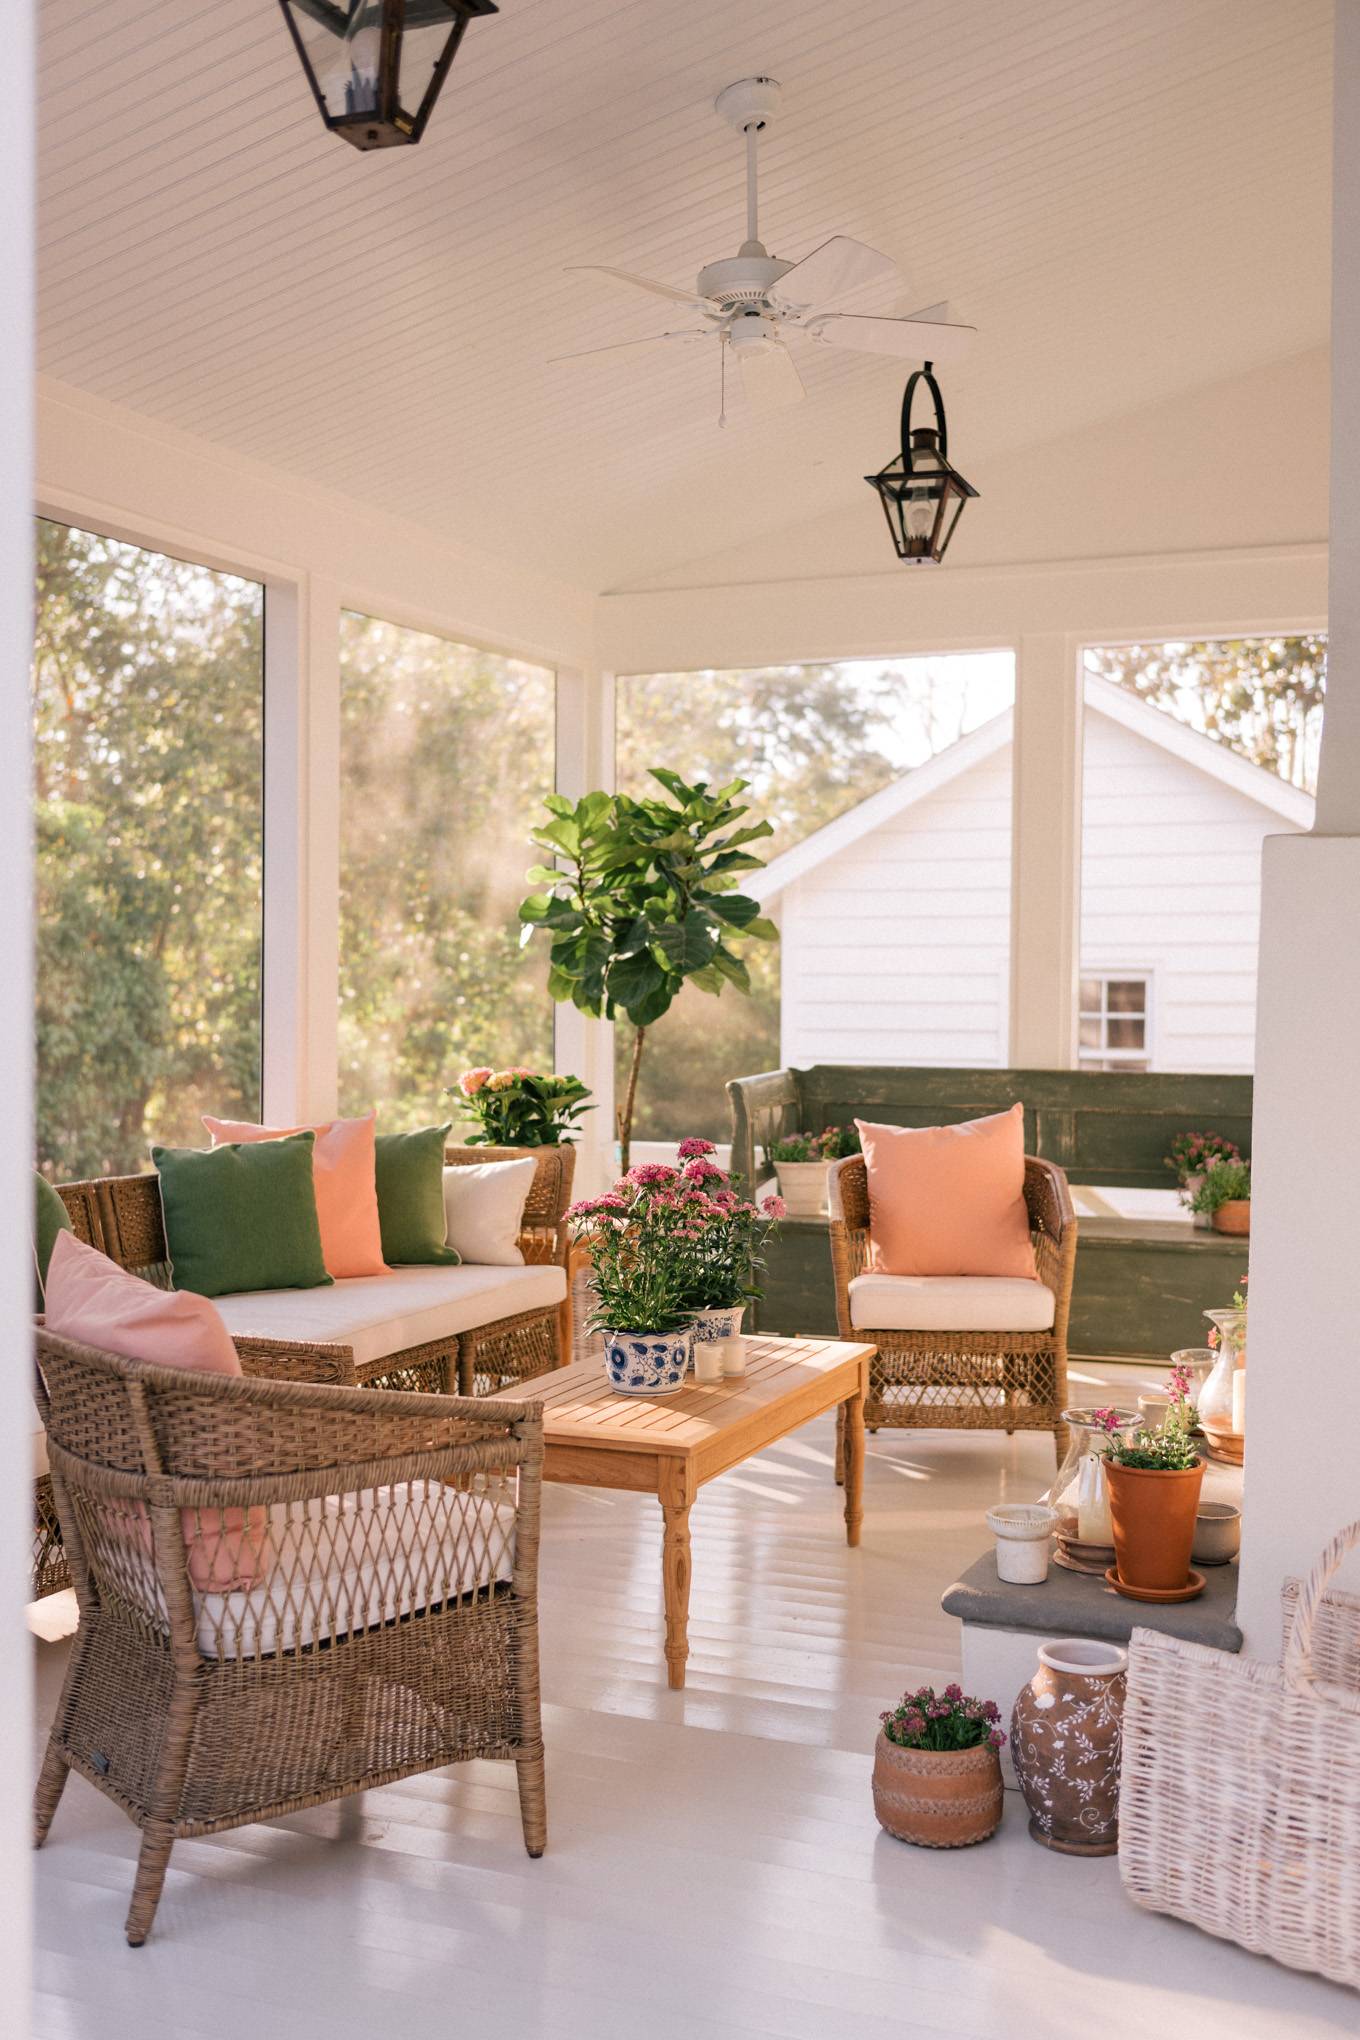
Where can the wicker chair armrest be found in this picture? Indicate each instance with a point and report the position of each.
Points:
(295, 1360)
(848, 1191)
(542, 1244)
(1048, 1198)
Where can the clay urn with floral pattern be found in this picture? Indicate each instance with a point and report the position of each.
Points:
(1066, 1741)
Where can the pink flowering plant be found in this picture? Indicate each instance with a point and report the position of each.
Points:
(952, 1720)
(519, 1107)
(1194, 1154)
(671, 1239)
(1170, 1448)
(832, 1145)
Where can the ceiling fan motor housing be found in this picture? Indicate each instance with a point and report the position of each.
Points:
(741, 279)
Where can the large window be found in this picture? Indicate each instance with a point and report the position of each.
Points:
(1193, 754)
(893, 775)
(446, 755)
(148, 699)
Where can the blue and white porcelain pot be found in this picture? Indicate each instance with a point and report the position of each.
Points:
(711, 1327)
(647, 1363)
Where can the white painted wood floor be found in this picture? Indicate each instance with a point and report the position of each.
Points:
(714, 1867)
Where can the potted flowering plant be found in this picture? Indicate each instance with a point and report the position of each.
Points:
(1224, 1196)
(640, 1237)
(730, 1233)
(1191, 1156)
(519, 1108)
(937, 1773)
(1153, 1478)
(802, 1162)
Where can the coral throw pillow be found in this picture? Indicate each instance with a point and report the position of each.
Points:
(94, 1302)
(343, 1172)
(949, 1200)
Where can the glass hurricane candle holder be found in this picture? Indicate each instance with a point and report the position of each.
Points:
(1084, 1540)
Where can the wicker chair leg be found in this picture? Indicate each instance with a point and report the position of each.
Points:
(51, 1784)
(158, 1838)
(533, 1802)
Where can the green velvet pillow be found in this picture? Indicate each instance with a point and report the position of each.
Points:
(50, 1217)
(410, 1171)
(241, 1216)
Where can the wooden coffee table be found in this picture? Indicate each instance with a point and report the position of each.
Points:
(670, 1445)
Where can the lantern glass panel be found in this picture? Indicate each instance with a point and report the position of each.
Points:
(423, 43)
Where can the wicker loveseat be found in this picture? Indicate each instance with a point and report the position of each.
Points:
(466, 1331)
(933, 1369)
(378, 1616)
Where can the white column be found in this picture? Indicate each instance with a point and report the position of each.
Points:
(585, 1047)
(16, 1006)
(301, 850)
(1045, 851)
(1303, 1378)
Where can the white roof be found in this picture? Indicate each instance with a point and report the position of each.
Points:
(1103, 697)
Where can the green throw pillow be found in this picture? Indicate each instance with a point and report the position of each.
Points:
(50, 1217)
(410, 1169)
(241, 1216)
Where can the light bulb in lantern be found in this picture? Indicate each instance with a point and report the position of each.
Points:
(920, 514)
(364, 50)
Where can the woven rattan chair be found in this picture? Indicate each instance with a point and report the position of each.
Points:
(964, 1380)
(386, 1622)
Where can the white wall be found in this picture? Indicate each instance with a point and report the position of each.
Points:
(895, 950)
(16, 1011)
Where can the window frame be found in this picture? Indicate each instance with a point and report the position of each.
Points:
(1105, 1059)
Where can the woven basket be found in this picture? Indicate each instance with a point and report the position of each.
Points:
(1239, 1806)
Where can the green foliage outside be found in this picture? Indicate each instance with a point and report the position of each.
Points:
(446, 757)
(148, 725)
(1262, 697)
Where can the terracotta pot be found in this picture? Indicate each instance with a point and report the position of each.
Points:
(1153, 1514)
(1066, 1742)
(939, 1799)
(1234, 1216)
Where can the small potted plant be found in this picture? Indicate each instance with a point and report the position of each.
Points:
(728, 1232)
(520, 1108)
(1224, 1196)
(937, 1772)
(802, 1162)
(1154, 1478)
(641, 1237)
(1191, 1156)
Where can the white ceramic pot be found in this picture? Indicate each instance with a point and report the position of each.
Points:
(647, 1363)
(803, 1187)
(1218, 1533)
(1023, 1533)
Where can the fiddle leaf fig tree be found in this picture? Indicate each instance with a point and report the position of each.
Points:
(642, 900)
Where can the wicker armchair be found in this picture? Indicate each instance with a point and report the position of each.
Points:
(964, 1380)
(378, 1613)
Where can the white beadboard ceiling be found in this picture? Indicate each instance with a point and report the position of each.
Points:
(1128, 197)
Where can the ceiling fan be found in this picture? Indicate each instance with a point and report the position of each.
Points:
(751, 300)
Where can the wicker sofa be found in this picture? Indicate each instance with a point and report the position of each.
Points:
(454, 1331)
(380, 1617)
(944, 1362)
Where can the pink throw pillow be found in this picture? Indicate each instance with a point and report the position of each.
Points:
(344, 1173)
(93, 1301)
(949, 1200)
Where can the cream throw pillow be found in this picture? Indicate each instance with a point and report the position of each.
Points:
(484, 1207)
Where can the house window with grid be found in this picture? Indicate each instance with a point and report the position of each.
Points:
(1114, 1022)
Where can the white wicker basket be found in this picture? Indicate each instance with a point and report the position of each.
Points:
(1239, 1805)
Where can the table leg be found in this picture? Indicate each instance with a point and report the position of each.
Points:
(853, 1426)
(675, 1497)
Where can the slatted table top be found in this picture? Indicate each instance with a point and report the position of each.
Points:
(580, 1408)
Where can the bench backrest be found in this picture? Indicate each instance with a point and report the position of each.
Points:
(1100, 1126)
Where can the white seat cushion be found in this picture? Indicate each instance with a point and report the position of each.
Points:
(344, 1563)
(950, 1303)
(378, 1315)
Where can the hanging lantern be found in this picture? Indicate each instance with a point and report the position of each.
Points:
(921, 494)
(375, 66)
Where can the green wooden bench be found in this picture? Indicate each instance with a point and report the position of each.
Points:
(1141, 1284)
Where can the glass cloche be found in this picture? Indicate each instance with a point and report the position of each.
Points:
(1084, 1541)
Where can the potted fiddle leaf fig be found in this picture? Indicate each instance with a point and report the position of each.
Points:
(643, 900)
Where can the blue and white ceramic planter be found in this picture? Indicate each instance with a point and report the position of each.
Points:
(711, 1327)
(647, 1363)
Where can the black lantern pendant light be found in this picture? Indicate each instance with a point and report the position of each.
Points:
(375, 66)
(921, 494)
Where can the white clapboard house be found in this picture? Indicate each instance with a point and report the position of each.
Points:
(895, 917)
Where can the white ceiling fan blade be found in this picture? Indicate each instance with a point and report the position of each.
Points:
(838, 269)
(612, 346)
(770, 379)
(665, 290)
(907, 339)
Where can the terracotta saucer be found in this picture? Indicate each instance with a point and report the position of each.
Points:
(1193, 1586)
